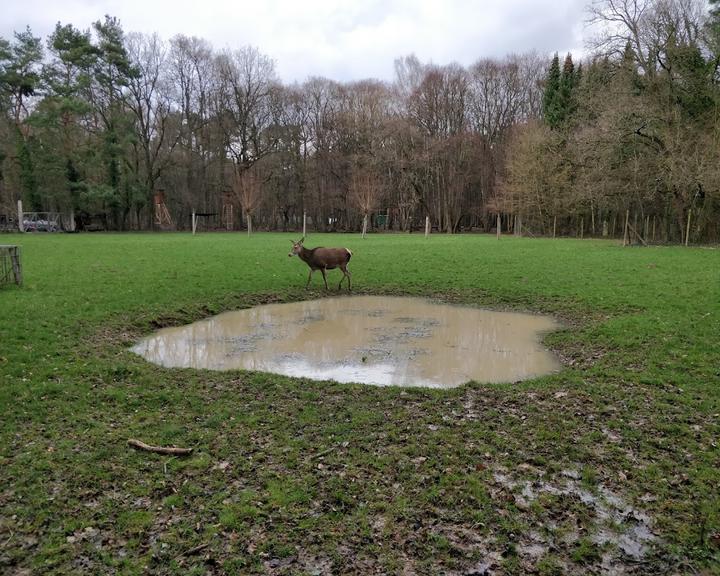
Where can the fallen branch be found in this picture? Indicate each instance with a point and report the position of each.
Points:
(159, 449)
(192, 551)
(324, 452)
(329, 450)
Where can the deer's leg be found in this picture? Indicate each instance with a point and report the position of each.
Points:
(346, 274)
(309, 278)
(324, 278)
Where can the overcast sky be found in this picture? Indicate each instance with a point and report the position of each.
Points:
(341, 39)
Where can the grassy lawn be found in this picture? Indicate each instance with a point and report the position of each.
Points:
(558, 475)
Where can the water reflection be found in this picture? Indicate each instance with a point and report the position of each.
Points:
(369, 339)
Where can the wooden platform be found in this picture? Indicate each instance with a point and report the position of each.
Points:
(10, 265)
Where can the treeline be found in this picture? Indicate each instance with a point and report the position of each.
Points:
(102, 125)
(633, 135)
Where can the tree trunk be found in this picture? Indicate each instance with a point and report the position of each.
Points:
(21, 220)
(625, 233)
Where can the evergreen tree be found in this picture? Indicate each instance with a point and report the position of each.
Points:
(112, 75)
(578, 75)
(20, 77)
(28, 180)
(551, 106)
(559, 99)
(59, 120)
(568, 102)
(20, 81)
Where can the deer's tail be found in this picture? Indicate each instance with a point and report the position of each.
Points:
(349, 255)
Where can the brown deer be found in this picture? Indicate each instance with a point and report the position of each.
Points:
(323, 259)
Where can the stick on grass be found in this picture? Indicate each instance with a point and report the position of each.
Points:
(159, 449)
(192, 551)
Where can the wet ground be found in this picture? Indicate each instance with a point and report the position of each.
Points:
(375, 340)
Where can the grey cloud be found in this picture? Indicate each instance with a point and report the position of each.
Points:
(342, 40)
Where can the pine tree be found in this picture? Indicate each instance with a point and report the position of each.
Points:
(560, 99)
(552, 105)
(568, 102)
(578, 75)
(112, 75)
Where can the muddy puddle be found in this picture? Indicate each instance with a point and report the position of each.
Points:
(375, 340)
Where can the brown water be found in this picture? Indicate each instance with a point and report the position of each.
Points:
(369, 339)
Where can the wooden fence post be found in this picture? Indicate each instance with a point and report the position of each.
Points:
(194, 222)
(304, 222)
(687, 230)
(554, 225)
(499, 225)
(21, 222)
(17, 267)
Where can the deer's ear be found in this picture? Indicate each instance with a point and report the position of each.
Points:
(292, 241)
(302, 240)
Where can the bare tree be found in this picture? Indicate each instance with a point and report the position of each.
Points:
(243, 103)
(192, 76)
(247, 188)
(366, 190)
(149, 100)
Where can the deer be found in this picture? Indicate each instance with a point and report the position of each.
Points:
(323, 259)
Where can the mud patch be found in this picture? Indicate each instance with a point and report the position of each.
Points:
(622, 532)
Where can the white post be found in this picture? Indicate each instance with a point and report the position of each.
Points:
(304, 222)
(194, 222)
(364, 231)
(21, 224)
(249, 219)
(499, 225)
(72, 220)
(687, 230)
(427, 226)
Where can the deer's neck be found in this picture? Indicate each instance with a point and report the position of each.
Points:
(306, 255)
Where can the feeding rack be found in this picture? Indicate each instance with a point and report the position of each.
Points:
(10, 267)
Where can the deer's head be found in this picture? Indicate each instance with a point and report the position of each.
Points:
(297, 247)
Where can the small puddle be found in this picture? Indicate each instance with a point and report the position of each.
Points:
(375, 340)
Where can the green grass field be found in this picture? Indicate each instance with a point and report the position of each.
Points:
(293, 476)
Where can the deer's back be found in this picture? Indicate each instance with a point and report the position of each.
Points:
(328, 257)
